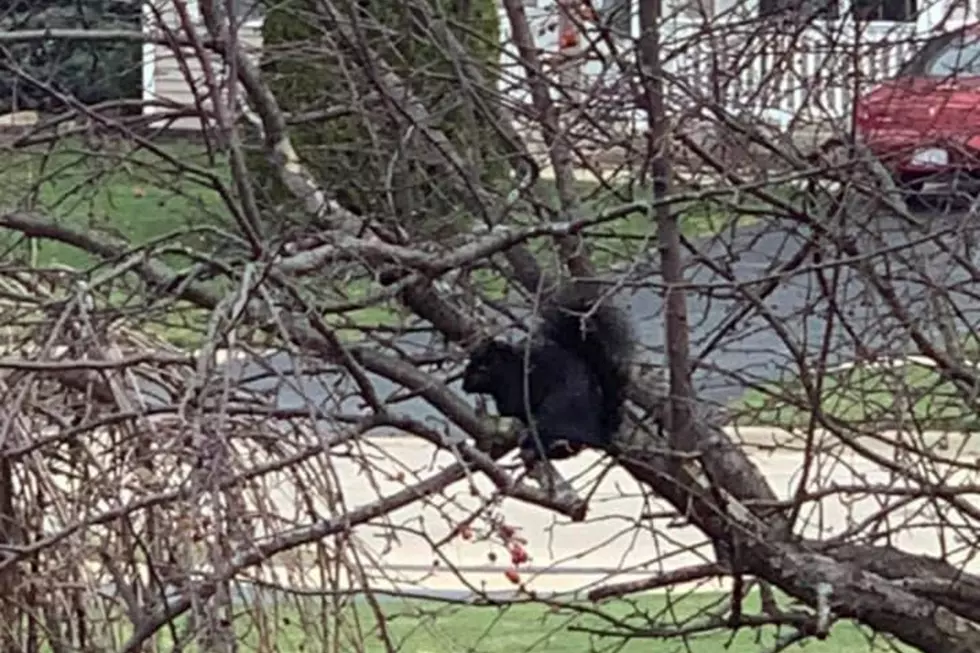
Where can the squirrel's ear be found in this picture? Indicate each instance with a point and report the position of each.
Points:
(488, 347)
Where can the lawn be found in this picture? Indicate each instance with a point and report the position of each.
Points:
(622, 240)
(421, 628)
(175, 207)
(135, 195)
(912, 395)
(418, 626)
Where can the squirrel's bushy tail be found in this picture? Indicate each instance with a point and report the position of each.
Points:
(583, 322)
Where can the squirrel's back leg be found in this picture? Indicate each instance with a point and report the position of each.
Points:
(533, 447)
(564, 425)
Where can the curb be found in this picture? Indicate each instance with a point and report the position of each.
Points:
(221, 356)
(775, 439)
(895, 363)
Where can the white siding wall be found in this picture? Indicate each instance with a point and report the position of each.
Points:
(748, 66)
(172, 78)
(729, 60)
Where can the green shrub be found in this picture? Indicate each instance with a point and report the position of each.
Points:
(366, 158)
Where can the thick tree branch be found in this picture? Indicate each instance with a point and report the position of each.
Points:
(373, 252)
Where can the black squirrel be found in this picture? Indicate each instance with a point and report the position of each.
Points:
(567, 382)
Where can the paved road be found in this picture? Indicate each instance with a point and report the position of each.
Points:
(915, 260)
(753, 351)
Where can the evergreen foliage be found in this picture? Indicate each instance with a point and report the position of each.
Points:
(368, 160)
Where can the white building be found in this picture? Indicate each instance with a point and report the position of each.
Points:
(733, 52)
(170, 78)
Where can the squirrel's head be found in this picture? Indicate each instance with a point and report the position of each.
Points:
(489, 364)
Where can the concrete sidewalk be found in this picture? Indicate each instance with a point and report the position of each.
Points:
(627, 534)
(948, 444)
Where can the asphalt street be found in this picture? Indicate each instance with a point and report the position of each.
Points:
(918, 262)
(827, 311)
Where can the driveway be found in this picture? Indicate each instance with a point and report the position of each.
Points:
(753, 352)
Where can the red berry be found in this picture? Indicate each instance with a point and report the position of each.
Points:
(518, 554)
(568, 39)
(513, 576)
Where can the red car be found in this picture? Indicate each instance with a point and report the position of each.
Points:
(924, 124)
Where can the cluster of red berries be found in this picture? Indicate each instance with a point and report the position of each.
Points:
(518, 554)
(515, 546)
(584, 11)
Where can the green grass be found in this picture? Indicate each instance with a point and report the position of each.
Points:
(418, 626)
(144, 200)
(622, 240)
(132, 195)
(147, 201)
(911, 396)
